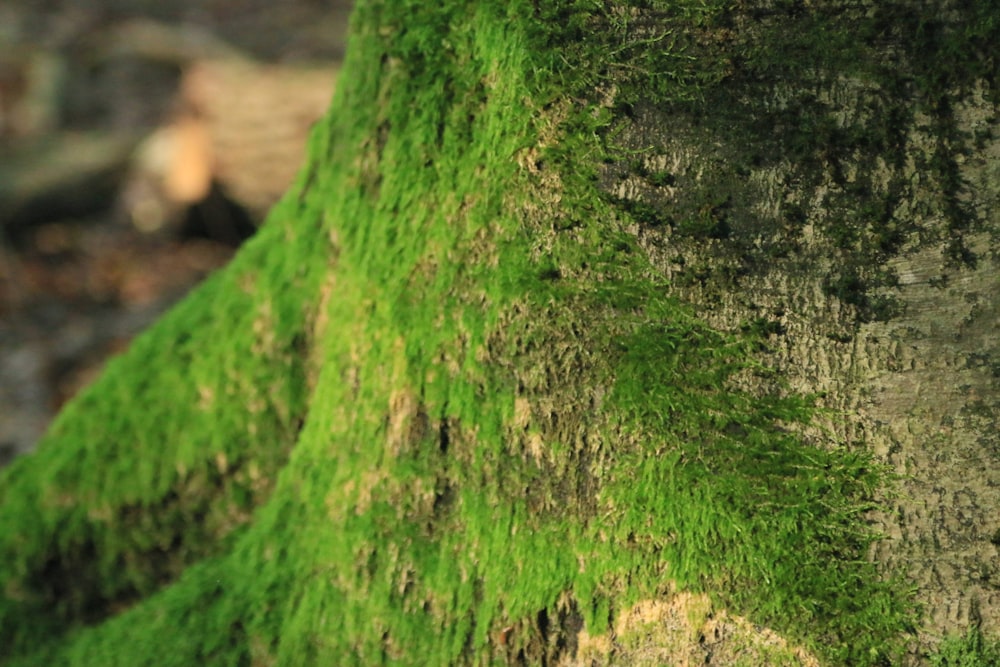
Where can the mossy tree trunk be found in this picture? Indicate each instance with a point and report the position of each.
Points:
(582, 337)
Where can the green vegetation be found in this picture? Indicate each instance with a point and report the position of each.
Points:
(164, 460)
(441, 410)
(972, 650)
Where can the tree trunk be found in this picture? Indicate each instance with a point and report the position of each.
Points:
(582, 339)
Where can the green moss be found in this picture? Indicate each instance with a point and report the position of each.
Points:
(971, 650)
(156, 464)
(495, 409)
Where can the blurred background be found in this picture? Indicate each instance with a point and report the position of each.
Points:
(141, 142)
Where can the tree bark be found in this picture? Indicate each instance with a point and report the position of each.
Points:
(852, 215)
(590, 334)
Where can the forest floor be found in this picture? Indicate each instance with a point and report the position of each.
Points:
(78, 277)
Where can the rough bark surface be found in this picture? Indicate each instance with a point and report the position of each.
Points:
(905, 352)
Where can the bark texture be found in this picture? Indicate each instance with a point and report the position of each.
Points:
(849, 210)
